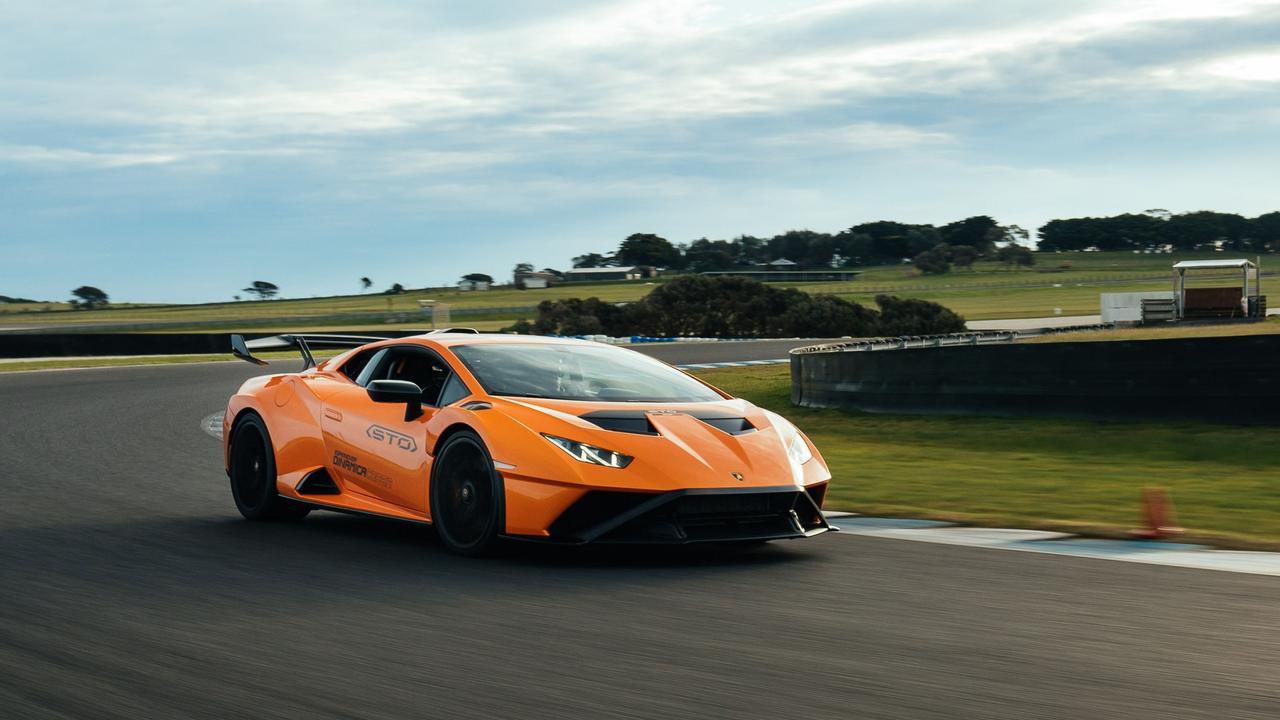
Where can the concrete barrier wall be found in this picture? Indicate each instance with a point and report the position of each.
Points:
(1226, 379)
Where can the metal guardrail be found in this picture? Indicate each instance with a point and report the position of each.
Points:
(947, 340)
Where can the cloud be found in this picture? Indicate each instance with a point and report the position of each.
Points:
(36, 155)
(306, 119)
(863, 136)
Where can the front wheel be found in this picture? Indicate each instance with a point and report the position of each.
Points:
(466, 496)
(253, 474)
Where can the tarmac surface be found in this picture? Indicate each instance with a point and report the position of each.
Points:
(133, 589)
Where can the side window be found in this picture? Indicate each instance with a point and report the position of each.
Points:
(371, 367)
(419, 366)
(454, 390)
(357, 363)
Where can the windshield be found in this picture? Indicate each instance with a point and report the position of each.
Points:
(579, 372)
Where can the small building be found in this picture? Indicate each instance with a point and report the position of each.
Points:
(782, 264)
(535, 280)
(470, 285)
(632, 272)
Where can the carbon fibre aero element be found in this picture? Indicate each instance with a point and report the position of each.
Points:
(690, 516)
(492, 437)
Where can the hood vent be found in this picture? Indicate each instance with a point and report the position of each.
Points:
(731, 425)
(635, 422)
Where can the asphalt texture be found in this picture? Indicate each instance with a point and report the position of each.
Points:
(132, 589)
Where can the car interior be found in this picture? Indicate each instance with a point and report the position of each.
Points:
(420, 367)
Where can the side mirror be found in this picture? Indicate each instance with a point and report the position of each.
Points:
(398, 391)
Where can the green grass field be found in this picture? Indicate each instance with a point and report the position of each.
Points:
(1073, 475)
(988, 291)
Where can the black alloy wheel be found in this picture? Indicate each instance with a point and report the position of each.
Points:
(253, 474)
(466, 496)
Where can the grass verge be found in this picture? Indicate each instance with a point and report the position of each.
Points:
(1077, 476)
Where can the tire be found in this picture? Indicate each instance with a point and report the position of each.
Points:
(467, 500)
(253, 474)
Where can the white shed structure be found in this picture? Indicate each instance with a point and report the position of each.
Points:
(1246, 299)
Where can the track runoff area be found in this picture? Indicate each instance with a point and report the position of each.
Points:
(134, 590)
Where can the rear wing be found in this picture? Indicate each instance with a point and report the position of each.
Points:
(242, 348)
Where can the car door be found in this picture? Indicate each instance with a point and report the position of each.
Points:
(371, 446)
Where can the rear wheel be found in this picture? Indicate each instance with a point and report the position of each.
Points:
(466, 496)
(253, 474)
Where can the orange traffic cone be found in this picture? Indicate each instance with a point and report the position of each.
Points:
(1157, 513)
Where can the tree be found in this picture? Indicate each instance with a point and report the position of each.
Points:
(1014, 254)
(648, 249)
(963, 255)
(933, 262)
(804, 247)
(89, 297)
(1266, 228)
(979, 231)
(262, 289)
(478, 278)
(704, 255)
(523, 268)
(365, 284)
(396, 289)
(591, 260)
(1015, 234)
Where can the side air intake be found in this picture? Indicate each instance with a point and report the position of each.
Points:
(318, 482)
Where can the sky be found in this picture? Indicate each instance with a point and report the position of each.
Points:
(175, 152)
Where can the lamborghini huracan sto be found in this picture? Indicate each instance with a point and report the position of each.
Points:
(505, 436)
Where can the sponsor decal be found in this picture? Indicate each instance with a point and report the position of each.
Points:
(392, 438)
(349, 463)
(665, 412)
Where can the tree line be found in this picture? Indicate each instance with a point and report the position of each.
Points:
(960, 243)
(1159, 228)
(873, 243)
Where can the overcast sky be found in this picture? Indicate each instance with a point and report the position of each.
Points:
(177, 151)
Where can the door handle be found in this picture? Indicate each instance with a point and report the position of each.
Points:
(333, 414)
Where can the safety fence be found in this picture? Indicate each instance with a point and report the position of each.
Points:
(1221, 379)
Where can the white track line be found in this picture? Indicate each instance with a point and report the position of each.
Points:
(1050, 543)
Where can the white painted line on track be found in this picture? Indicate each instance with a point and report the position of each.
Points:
(1182, 555)
(741, 363)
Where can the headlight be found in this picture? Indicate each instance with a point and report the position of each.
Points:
(583, 452)
(798, 450)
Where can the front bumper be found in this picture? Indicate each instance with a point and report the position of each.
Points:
(692, 516)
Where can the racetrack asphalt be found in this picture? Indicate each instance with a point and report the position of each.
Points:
(132, 588)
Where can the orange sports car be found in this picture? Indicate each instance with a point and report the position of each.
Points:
(506, 436)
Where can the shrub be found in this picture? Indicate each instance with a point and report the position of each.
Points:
(703, 306)
(908, 316)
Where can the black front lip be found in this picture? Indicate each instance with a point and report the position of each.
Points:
(790, 512)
